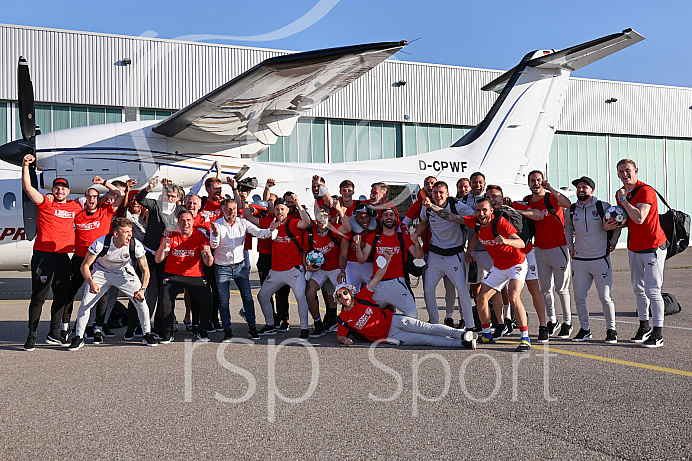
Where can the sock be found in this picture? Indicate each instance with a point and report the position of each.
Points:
(318, 319)
(552, 319)
(486, 329)
(507, 311)
(65, 326)
(658, 332)
(524, 332)
(644, 324)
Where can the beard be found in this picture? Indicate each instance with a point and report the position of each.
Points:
(389, 224)
(583, 197)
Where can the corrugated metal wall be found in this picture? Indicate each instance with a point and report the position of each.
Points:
(86, 68)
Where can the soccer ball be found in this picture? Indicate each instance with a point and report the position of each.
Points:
(617, 214)
(315, 259)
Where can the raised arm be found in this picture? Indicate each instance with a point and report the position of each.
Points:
(442, 213)
(562, 200)
(513, 241)
(380, 270)
(163, 250)
(30, 190)
(305, 220)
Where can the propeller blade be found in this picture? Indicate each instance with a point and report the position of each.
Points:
(239, 175)
(27, 114)
(29, 208)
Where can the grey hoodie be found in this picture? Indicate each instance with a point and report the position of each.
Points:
(584, 232)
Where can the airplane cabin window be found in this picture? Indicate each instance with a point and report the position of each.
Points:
(9, 201)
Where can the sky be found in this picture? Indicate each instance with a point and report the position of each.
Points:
(492, 35)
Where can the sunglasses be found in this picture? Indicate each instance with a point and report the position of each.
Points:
(340, 295)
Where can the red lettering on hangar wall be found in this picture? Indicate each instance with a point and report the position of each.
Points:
(12, 233)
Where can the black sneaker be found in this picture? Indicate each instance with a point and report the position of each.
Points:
(77, 343)
(611, 337)
(543, 335)
(202, 337)
(252, 331)
(98, 337)
(107, 332)
(30, 343)
(217, 326)
(319, 330)
(227, 336)
(330, 325)
(283, 326)
(210, 327)
(510, 326)
(524, 345)
(138, 331)
(641, 336)
(468, 340)
(552, 328)
(167, 338)
(129, 334)
(653, 341)
(89, 332)
(449, 322)
(461, 325)
(150, 340)
(267, 331)
(565, 331)
(241, 313)
(64, 335)
(57, 341)
(304, 334)
(500, 331)
(483, 339)
(583, 335)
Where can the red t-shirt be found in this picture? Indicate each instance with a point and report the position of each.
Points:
(648, 234)
(264, 246)
(351, 256)
(390, 242)
(90, 227)
(211, 210)
(365, 317)
(330, 249)
(520, 206)
(202, 222)
(256, 210)
(504, 256)
(55, 226)
(285, 254)
(185, 255)
(349, 210)
(550, 232)
(413, 213)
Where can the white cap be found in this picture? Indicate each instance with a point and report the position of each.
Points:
(350, 288)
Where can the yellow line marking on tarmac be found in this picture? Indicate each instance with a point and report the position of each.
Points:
(607, 359)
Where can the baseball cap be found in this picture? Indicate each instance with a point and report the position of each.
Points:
(585, 179)
(61, 182)
(365, 208)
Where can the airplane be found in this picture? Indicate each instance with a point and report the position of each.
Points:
(239, 120)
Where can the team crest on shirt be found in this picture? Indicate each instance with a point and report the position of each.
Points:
(43, 278)
(595, 214)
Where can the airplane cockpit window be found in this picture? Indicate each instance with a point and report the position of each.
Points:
(9, 201)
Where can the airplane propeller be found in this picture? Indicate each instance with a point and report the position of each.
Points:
(27, 145)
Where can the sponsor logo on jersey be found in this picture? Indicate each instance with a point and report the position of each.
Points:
(363, 320)
(178, 253)
(63, 214)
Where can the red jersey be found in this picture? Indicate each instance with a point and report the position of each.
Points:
(202, 222)
(55, 226)
(504, 256)
(550, 232)
(391, 242)
(648, 234)
(413, 213)
(264, 246)
(256, 210)
(520, 206)
(351, 256)
(349, 210)
(185, 255)
(329, 245)
(285, 254)
(211, 210)
(366, 317)
(90, 227)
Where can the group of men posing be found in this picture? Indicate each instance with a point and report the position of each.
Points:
(474, 241)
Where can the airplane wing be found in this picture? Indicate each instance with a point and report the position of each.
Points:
(574, 57)
(265, 102)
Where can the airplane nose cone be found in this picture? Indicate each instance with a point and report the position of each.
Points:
(13, 152)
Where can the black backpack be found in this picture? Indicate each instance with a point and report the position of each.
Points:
(675, 224)
(548, 206)
(525, 228)
(107, 245)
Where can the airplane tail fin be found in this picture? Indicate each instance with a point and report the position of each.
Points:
(523, 119)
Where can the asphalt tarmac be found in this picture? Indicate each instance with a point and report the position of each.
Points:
(278, 398)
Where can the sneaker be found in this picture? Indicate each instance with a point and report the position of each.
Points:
(150, 340)
(202, 337)
(583, 335)
(477, 329)
(653, 341)
(304, 334)
(524, 345)
(330, 325)
(210, 327)
(500, 331)
(252, 331)
(552, 328)
(129, 334)
(227, 336)
(107, 332)
(138, 331)
(483, 339)
(449, 322)
(319, 330)
(98, 337)
(267, 331)
(77, 343)
(461, 325)
(30, 343)
(241, 313)
(64, 335)
(510, 326)
(543, 335)
(166, 339)
(283, 326)
(188, 325)
(611, 337)
(217, 326)
(89, 332)
(641, 336)
(565, 331)
(57, 341)
(468, 340)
